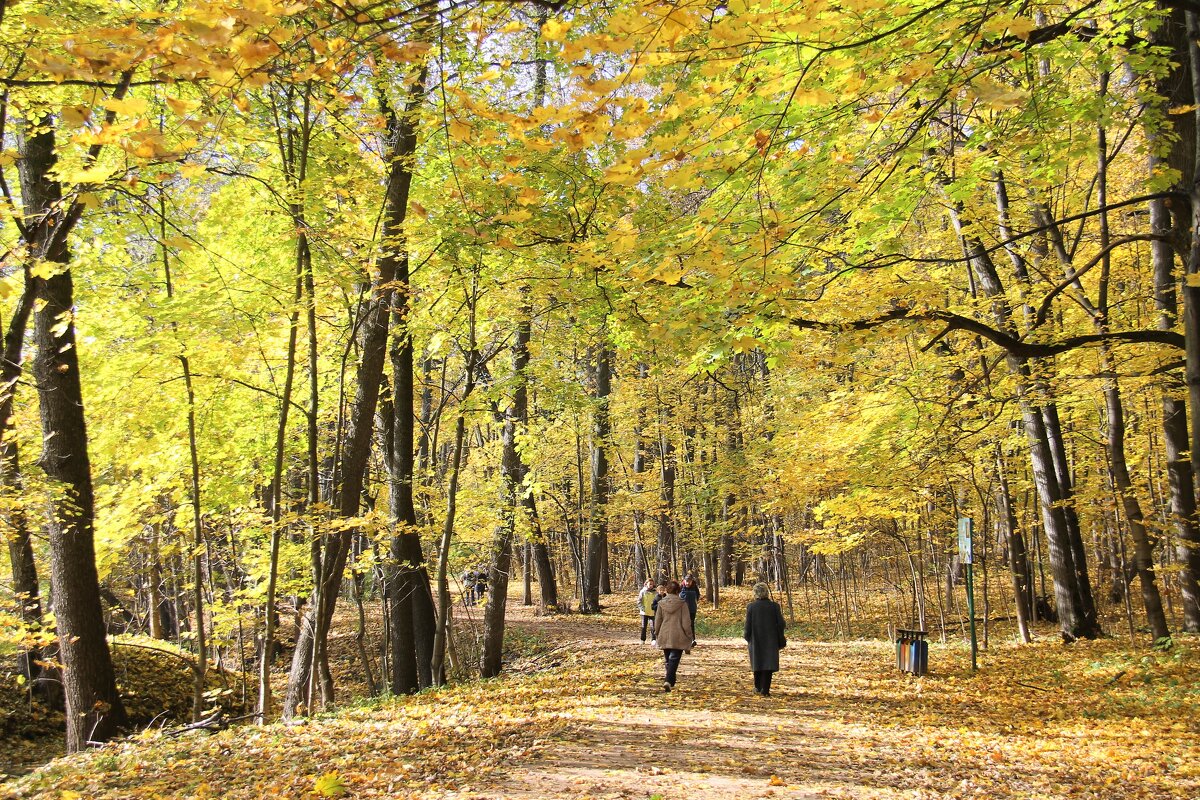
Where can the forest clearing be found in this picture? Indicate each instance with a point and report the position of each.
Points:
(361, 361)
(582, 715)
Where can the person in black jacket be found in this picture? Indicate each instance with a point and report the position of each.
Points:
(689, 592)
(764, 637)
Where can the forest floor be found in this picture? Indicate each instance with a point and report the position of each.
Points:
(583, 715)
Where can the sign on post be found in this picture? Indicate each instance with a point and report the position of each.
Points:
(965, 526)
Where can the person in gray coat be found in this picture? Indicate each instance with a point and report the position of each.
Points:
(764, 637)
(672, 632)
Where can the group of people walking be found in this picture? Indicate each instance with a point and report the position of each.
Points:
(474, 583)
(668, 611)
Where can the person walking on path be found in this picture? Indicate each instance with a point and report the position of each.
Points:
(764, 637)
(481, 582)
(660, 592)
(645, 603)
(672, 632)
(468, 582)
(689, 592)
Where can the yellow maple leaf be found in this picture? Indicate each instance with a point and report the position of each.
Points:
(528, 196)
(131, 106)
(555, 30)
(519, 215)
(76, 114)
(181, 106)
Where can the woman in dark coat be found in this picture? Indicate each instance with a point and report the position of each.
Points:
(764, 637)
(689, 592)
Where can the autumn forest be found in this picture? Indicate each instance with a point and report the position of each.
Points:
(317, 313)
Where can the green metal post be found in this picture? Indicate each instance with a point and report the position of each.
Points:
(971, 614)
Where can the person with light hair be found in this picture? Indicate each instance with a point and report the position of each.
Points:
(764, 635)
(645, 603)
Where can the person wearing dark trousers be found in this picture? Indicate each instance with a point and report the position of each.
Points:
(764, 635)
(645, 603)
(689, 592)
(672, 632)
(468, 582)
(481, 582)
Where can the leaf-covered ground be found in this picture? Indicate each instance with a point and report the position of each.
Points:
(588, 719)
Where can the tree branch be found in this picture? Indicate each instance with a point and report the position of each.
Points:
(1012, 344)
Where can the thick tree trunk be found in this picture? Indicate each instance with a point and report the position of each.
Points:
(547, 583)
(411, 614)
(1089, 620)
(94, 709)
(1183, 156)
(1173, 220)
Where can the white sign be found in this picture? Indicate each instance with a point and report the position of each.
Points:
(966, 527)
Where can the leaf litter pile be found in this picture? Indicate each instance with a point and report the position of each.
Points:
(590, 720)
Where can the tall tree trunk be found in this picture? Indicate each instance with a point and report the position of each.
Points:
(1018, 557)
(411, 616)
(200, 670)
(198, 549)
(373, 343)
(293, 143)
(597, 542)
(94, 708)
(442, 633)
(267, 649)
(512, 469)
(1066, 587)
(666, 514)
(1086, 604)
(526, 574)
(20, 548)
(641, 559)
(1185, 158)
(1143, 554)
(1118, 464)
(547, 583)
(1174, 221)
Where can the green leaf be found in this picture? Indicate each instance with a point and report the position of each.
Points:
(330, 785)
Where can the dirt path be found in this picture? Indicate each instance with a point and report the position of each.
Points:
(645, 742)
(711, 736)
(841, 722)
